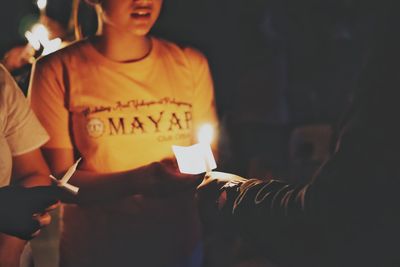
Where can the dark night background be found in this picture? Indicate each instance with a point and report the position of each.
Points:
(284, 73)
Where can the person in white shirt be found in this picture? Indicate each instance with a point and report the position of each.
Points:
(22, 165)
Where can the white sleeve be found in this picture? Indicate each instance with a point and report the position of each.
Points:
(22, 129)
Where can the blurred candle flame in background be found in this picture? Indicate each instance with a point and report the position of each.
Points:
(41, 4)
(38, 37)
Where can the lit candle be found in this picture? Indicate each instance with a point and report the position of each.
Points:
(39, 36)
(63, 182)
(41, 4)
(197, 158)
(205, 137)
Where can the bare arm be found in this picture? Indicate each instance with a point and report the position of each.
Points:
(155, 179)
(29, 170)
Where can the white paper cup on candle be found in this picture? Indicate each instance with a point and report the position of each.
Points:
(194, 159)
(197, 158)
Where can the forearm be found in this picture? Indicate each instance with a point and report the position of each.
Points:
(274, 217)
(331, 191)
(30, 170)
(262, 202)
(34, 180)
(96, 187)
(10, 250)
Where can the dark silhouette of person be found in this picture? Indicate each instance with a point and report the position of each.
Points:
(349, 214)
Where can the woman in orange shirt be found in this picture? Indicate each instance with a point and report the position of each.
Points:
(120, 100)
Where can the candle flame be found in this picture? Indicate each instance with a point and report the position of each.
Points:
(41, 4)
(206, 134)
(39, 36)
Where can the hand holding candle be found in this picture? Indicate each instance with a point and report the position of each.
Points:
(164, 179)
(212, 198)
(63, 182)
(18, 56)
(211, 192)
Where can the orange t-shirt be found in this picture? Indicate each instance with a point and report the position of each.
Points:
(120, 116)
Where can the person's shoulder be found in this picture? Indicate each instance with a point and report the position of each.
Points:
(3, 81)
(5, 78)
(3, 94)
(9, 90)
(3, 73)
(63, 56)
(179, 52)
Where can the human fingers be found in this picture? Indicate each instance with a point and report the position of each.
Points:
(43, 219)
(52, 207)
(29, 51)
(209, 181)
(209, 188)
(35, 234)
(221, 178)
(16, 57)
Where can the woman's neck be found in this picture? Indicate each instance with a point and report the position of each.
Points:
(122, 46)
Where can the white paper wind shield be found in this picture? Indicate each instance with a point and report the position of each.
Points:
(194, 159)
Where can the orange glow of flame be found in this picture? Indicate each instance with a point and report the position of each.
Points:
(206, 134)
(39, 36)
(41, 4)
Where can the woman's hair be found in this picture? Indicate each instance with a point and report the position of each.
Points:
(87, 18)
(93, 2)
(60, 11)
